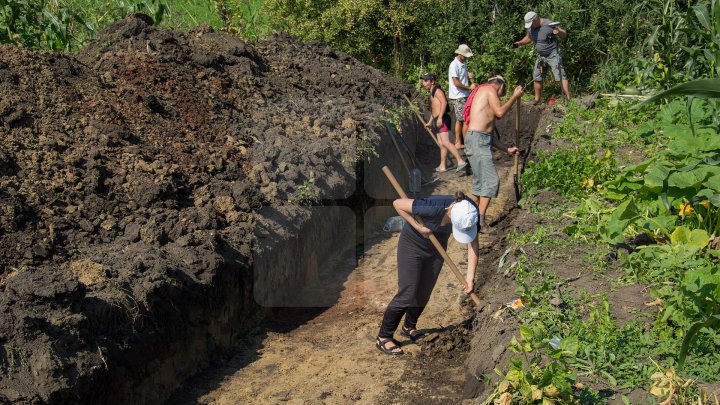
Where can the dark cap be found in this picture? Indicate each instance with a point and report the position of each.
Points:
(429, 76)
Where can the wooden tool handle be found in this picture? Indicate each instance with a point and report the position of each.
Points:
(433, 239)
(517, 139)
(422, 121)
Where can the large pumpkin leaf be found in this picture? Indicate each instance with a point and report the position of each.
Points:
(713, 183)
(615, 227)
(693, 178)
(656, 176)
(691, 241)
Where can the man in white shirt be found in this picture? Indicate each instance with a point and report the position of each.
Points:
(460, 88)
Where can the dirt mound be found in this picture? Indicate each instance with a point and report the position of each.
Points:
(130, 175)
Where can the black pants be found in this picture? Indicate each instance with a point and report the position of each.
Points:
(418, 270)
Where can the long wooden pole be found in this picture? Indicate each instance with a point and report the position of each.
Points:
(517, 135)
(397, 147)
(433, 239)
(516, 175)
(422, 121)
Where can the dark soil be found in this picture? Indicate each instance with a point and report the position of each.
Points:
(130, 178)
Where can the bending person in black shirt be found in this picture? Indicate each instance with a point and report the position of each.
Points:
(419, 263)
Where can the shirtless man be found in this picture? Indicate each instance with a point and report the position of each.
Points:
(439, 122)
(484, 110)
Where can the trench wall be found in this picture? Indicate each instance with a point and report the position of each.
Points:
(285, 262)
(296, 246)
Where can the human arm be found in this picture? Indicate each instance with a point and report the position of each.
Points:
(559, 32)
(524, 41)
(500, 110)
(461, 86)
(473, 254)
(497, 144)
(403, 206)
(442, 104)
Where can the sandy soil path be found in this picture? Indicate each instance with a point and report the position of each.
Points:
(328, 356)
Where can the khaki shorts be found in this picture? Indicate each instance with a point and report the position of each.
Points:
(555, 62)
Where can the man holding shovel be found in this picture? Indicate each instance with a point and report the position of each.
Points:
(479, 140)
(544, 33)
(440, 122)
(419, 262)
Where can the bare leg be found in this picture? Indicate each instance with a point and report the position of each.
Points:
(483, 205)
(459, 144)
(566, 88)
(445, 142)
(443, 155)
(538, 86)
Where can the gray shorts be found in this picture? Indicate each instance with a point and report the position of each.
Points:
(555, 62)
(458, 104)
(478, 148)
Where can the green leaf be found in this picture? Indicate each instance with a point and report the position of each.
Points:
(713, 183)
(656, 176)
(526, 332)
(698, 239)
(514, 375)
(609, 377)
(622, 215)
(692, 241)
(694, 329)
(570, 346)
(680, 236)
(701, 12)
(693, 178)
(701, 88)
(662, 222)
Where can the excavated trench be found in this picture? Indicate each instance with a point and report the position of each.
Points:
(166, 195)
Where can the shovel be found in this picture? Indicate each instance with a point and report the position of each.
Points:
(516, 175)
(422, 121)
(433, 239)
(414, 175)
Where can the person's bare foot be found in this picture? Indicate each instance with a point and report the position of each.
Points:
(459, 146)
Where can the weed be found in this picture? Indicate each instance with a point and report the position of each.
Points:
(126, 302)
(13, 359)
(365, 148)
(305, 193)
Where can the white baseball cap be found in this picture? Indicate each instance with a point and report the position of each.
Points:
(464, 218)
(529, 18)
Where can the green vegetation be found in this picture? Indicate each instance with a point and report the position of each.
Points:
(70, 24)
(306, 192)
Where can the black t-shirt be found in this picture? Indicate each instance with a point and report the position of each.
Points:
(431, 211)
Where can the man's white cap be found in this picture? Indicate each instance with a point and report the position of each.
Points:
(529, 18)
(464, 50)
(464, 218)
